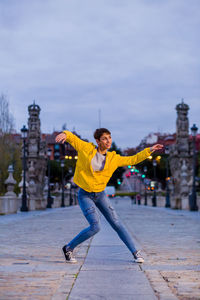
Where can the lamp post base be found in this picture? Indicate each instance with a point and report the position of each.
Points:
(154, 201)
(24, 208)
(63, 198)
(167, 203)
(192, 202)
(145, 199)
(49, 203)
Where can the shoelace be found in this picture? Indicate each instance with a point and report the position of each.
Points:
(137, 254)
(69, 254)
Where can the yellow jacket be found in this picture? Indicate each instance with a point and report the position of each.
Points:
(96, 181)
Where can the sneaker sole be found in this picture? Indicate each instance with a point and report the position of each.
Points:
(68, 261)
(139, 262)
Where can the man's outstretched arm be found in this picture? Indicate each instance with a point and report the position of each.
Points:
(73, 140)
(139, 157)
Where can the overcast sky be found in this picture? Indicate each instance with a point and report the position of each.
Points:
(132, 59)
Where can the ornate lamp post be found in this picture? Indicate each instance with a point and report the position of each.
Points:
(154, 199)
(70, 191)
(24, 132)
(167, 203)
(62, 164)
(193, 196)
(49, 194)
(134, 186)
(145, 186)
(139, 195)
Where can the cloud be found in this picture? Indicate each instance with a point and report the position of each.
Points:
(133, 59)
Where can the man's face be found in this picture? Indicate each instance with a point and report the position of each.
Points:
(105, 141)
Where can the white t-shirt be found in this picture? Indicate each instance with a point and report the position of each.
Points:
(98, 161)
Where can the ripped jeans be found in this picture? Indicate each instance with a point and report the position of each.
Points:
(88, 203)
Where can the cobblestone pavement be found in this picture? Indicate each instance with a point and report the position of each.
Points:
(170, 240)
(109, 272)
(31, 262)
(32, 266)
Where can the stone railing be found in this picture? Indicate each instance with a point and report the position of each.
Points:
(8, 205)
(161, 200)
(69, 198)
(9, 202)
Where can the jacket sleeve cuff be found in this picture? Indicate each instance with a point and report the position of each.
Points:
(149, 151)
(68, 135)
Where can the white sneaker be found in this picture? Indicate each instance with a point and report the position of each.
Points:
(137, 257)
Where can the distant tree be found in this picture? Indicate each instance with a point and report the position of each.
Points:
(6, 119)
(64, 127)
(119, 172)
(115, 148)
(56, 170)
(160, 168)
(9, 151)
(130, 151)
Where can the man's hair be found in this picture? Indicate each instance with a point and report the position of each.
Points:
(99, 132)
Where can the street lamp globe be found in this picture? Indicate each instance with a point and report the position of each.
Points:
(194, 130)
(24, 132)
(10, 169)
(167, 150)
(154, 163)
(145, 169)
(49, 152)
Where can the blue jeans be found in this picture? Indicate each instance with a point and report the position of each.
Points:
(88, 203)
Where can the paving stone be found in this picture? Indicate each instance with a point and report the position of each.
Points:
(109, 271)
(32, 266)
(170, 242)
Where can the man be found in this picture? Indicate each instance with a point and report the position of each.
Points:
(95, 166)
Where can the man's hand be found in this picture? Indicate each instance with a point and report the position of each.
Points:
(156, 147)
(61, 138)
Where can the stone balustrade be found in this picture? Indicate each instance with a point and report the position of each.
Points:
(9, 202)
(8, 205)
(161, 200)
(57, 198)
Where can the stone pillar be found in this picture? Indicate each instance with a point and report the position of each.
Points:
(180, 156)
(36, 160)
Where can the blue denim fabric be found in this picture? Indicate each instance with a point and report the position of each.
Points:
(88, 203)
